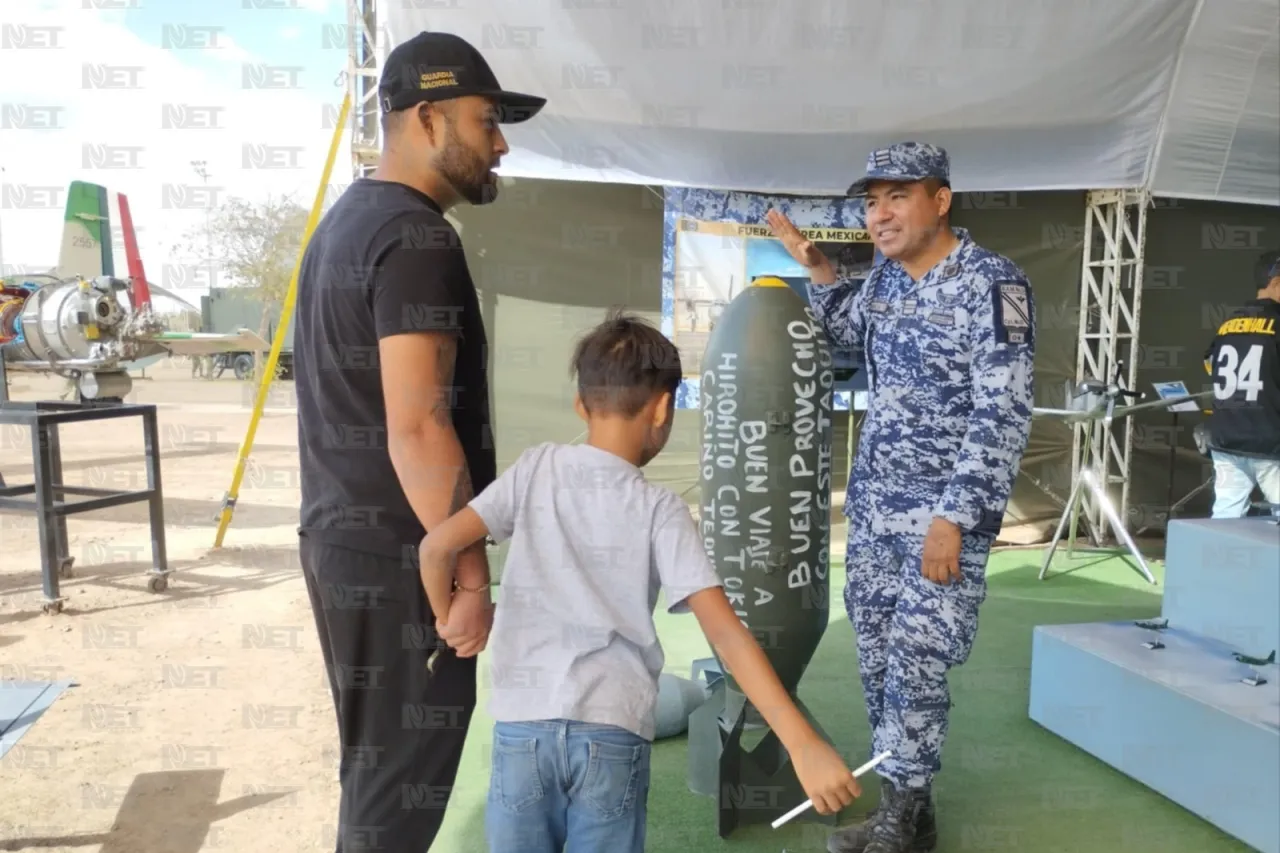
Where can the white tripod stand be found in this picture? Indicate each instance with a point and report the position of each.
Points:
(1093, 401)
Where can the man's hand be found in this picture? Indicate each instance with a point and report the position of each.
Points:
(941, 563)
(801, 248)
(470, 618)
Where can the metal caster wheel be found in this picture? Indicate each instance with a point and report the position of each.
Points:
(64, 568)
(51, 607)
(157, 583)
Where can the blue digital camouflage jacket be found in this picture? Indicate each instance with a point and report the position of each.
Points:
(950, 372)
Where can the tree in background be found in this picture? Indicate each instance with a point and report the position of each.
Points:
(254, 245)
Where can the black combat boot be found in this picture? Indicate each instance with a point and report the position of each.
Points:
(853, 839)
(856, 838)
(907, 825)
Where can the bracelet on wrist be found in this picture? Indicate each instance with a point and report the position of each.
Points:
(457, 587)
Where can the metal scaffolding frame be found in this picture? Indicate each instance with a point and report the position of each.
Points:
(363, 70)
(1115, 236)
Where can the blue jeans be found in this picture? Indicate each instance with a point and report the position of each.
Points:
(1234, 477)
(559, 786)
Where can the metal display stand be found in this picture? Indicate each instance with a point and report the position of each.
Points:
(1179, 397)
(1186, 499)
(1086, 481)
(47, 496)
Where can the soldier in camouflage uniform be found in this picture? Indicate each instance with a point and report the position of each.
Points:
(946, 331)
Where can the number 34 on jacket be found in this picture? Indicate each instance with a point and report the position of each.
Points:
(1244, 361)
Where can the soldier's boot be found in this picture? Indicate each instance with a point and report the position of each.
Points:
(854, 839)
(907, 825)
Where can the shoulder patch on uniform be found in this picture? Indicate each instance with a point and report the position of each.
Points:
(1012, 312)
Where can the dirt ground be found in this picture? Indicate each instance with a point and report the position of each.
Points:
(200, 718)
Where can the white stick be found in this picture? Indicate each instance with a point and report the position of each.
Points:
(808, 804)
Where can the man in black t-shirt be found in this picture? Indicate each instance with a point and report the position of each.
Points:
(394, 436)
(1244, 429)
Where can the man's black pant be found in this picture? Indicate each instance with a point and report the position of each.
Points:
(402, 725)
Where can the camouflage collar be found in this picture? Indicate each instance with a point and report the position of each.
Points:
(949, 267)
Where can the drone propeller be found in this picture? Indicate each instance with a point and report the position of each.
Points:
(164, 291)
(1118, 381)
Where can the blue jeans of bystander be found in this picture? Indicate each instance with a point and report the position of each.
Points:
(1234, 479)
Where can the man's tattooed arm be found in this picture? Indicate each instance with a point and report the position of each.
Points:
(418, 385)
(444, 399)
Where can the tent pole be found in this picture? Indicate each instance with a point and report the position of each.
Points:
(364, 64)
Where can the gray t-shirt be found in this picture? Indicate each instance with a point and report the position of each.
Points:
(592, 542)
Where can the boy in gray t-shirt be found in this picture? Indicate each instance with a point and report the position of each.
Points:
(575, 657)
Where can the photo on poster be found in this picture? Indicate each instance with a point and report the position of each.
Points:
(714, 261)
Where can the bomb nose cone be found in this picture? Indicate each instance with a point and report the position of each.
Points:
(768, 281)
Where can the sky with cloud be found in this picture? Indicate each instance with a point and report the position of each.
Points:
(127, 93)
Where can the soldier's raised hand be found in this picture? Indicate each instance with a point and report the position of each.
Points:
(801, 248)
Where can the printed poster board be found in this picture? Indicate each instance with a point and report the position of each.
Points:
(716, 242)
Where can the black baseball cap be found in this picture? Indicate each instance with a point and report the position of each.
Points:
(442, 66)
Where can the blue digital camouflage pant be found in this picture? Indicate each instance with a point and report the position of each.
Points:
(910, 632)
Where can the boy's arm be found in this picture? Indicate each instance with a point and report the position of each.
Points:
(822, 773)
(749, 665)
(492, 513)
(691, 583)
(438, 557)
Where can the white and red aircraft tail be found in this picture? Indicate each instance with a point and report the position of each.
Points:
(94, 217)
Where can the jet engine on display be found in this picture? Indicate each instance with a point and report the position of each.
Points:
(76, 327)
(82, 321)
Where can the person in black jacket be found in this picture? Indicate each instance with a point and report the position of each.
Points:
(1244, 429)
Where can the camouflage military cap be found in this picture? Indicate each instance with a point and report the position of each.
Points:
(904, 161)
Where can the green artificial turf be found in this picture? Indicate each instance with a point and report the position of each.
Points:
(1006, 783)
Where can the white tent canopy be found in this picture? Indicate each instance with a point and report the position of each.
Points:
(1179, 96)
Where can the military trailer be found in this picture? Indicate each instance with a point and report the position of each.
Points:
(226, 309)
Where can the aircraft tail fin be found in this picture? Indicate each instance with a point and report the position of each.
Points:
(86, 233)
(95, 217)
(141, 292)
